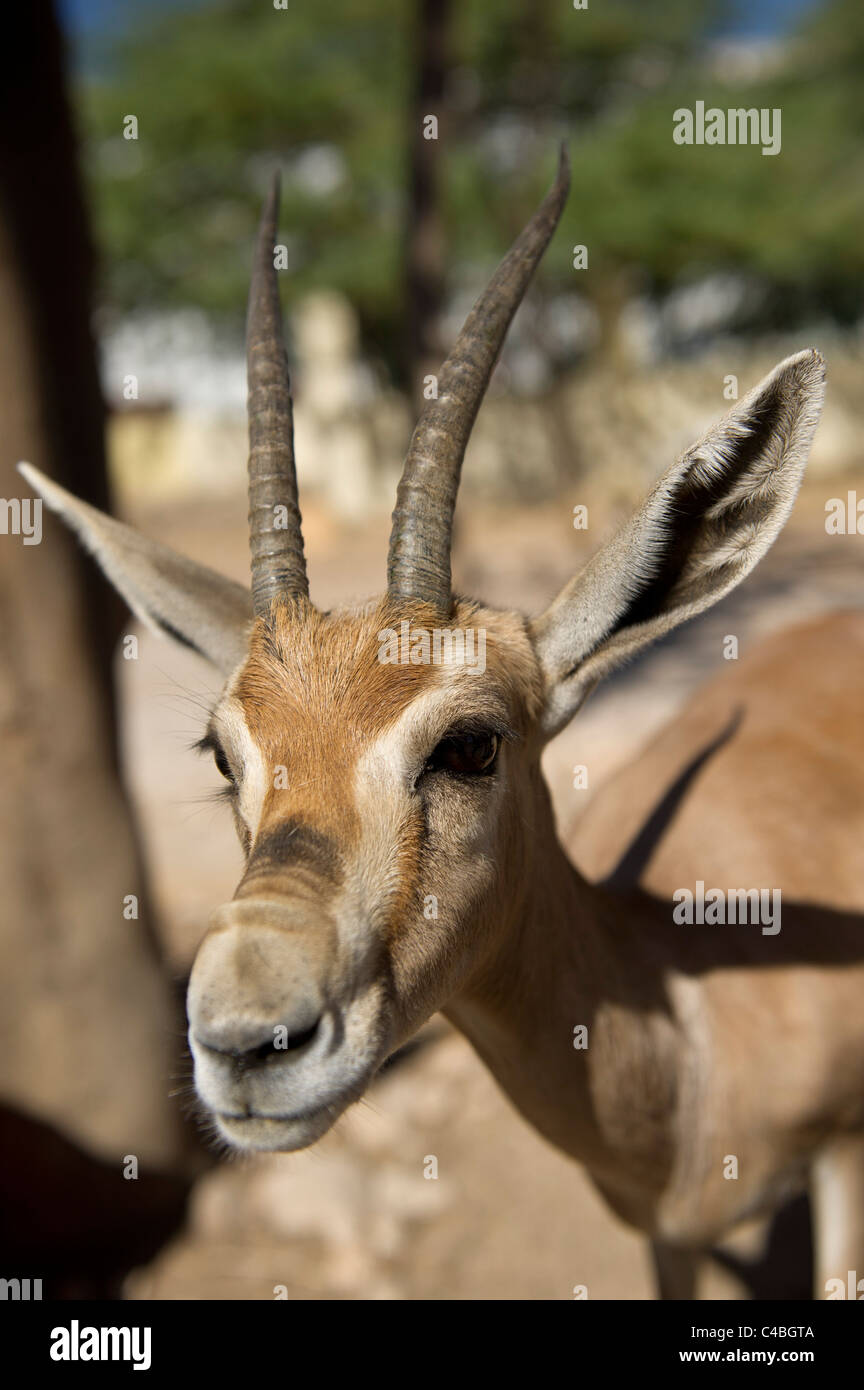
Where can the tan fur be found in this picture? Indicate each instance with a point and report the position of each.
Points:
(316, 697)
(349, 834)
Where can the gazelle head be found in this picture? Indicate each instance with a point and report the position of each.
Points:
(385, 782)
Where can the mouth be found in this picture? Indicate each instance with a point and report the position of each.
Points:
(287, 1101)
(279, 1133)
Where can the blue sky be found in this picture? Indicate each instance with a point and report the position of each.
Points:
(86, 18)
(766, 17)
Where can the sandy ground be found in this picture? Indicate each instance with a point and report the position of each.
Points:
(507, 1217)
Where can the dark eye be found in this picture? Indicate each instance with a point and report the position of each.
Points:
(222, 763)
(472, 754)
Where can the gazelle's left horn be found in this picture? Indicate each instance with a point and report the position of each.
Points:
(418, 564)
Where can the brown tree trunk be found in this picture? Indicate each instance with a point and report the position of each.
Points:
(424, 237)
(88, 1024)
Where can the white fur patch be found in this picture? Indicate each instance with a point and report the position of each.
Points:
(230, 723)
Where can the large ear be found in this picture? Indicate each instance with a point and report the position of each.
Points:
(701, 529)
(172, 595)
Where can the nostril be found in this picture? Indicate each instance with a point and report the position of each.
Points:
(283, 1041)
(251, 1051)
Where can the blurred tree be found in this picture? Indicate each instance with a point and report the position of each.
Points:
(790, 221)
(223, 92)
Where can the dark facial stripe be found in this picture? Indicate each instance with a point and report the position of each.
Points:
(292, 845)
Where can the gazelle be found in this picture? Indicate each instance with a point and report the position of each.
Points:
(401, 853)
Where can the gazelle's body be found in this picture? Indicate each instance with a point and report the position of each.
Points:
(758, 781)
(401, 851)
(705, 1041)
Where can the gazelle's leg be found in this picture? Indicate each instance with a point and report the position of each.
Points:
(675, 1270)
(837, 1193)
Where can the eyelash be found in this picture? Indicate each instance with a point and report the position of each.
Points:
(222, 763)
(209, 744)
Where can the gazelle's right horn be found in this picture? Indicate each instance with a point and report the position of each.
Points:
(278, 563)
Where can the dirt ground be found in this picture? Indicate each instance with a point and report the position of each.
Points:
(354, 1218)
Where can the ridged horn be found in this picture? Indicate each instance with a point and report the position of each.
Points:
(278, 563)
(418, 564)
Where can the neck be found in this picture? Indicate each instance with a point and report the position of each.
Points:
(571, 958)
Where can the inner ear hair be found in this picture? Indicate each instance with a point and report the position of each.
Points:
(702, 528)
(715, 510)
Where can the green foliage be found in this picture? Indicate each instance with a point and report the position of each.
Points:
(224, 95)
(792, 218)
(226, 92)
